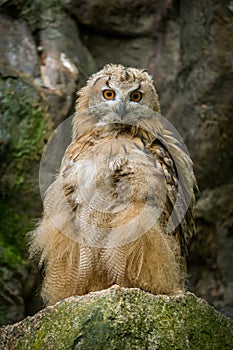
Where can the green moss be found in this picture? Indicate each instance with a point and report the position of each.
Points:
(23, 132)
(13, 226)
(127, 319)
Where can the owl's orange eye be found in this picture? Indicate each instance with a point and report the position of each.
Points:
(136, 96)
(108, 94)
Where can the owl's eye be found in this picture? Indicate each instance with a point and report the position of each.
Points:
(136, 96)
(108, 94)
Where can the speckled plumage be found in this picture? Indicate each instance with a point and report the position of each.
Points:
(107, 214)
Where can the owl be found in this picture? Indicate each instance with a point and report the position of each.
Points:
(120, 210)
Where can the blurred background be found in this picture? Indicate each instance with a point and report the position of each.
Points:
(47, 51)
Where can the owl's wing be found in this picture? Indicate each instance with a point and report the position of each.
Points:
(178, 213)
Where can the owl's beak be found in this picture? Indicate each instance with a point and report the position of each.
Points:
(121, 109)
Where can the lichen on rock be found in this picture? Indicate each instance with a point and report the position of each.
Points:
(123, 318)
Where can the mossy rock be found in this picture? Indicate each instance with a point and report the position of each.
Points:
(25, 126)
(38, 13)
(123, 318)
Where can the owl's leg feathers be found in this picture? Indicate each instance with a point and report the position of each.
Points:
(153, 264)
(60, 256)
(114, 260)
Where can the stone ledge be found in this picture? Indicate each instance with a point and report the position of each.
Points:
(123, 318)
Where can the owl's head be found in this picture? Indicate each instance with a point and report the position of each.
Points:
(117, 94)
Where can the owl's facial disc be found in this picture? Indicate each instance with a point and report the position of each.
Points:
(121, 99)
(109, 94)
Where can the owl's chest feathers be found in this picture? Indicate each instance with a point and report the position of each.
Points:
(117, 152)
(119, 138)
(119, 164)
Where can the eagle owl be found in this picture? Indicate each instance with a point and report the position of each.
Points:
(120, 210)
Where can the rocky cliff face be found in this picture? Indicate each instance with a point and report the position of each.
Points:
(49, 48)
